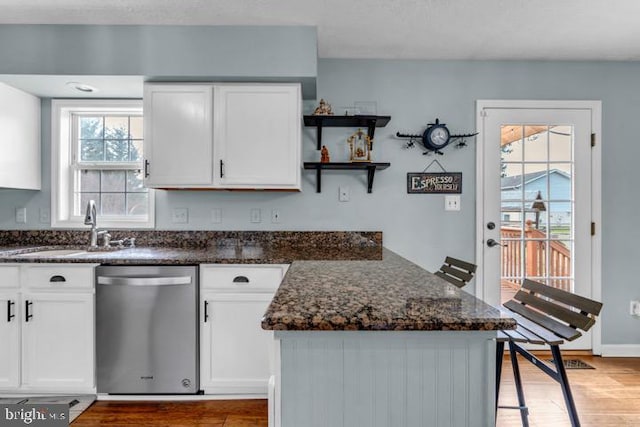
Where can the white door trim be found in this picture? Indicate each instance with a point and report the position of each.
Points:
(596, 189)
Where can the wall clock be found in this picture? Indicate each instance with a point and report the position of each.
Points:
(435, 137)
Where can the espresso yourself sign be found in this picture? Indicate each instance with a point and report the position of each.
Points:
(434, 183)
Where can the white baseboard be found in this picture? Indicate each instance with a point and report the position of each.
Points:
(620, 350)
(177, 397)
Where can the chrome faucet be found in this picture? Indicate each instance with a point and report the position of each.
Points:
(90, 219)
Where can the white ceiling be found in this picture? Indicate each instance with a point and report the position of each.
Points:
(408, 29)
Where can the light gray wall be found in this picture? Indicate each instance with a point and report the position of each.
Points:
(416, 226)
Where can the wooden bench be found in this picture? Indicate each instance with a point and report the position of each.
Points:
(456, 272)
(546, 316)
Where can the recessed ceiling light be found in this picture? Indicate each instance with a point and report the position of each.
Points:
(82, 87)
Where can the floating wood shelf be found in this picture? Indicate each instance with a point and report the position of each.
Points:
(369, 167)
(370, 122)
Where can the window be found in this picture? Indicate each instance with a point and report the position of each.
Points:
(97, 154)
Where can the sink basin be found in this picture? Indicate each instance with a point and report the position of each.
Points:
(53, 253)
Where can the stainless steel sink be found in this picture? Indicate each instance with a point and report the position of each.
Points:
(53, 253)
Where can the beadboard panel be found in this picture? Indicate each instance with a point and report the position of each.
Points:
(380, 379)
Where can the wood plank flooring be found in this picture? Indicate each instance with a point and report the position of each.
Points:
(606, 396)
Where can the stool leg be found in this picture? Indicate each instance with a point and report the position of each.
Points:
(564, 383)
(524, 411)
(499, 357)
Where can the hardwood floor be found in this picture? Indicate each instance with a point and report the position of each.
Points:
(606, 396)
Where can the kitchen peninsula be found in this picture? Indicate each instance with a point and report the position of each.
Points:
(364, 337)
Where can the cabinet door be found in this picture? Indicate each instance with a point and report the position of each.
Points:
(58, 342)
(10, 339)
(178, 135)
(257, 136)
(235, 351)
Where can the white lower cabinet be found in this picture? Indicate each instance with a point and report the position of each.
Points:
(49, 330)
(236, 354)
(10, 339)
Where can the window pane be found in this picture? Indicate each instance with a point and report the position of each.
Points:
(91, 127)
(84, 199)
(560, 138)
(89, 181)
(135, 183)
(117, 151)
(91, 150)
(536, 143)
(137, 203)
(135, 150)
(135, 127)
(113, 181)
(535, 180)
(113, 204)
(116, 127)
(511, 143)
(560, 181)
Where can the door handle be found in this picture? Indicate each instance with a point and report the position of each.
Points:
(146, 168)
(221, 169)
(206, 311)
(27, 314)
(491, 243)
(9, 315)
(491, 225)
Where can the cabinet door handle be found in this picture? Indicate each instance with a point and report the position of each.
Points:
(240, 279)
(146, 168)
(9, 314)
(206, 311)
(221, 168)
(57, 278)
(27, 314)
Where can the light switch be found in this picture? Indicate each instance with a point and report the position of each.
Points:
(21, 215)
(254, 216)
(216, 215)
(452, 202)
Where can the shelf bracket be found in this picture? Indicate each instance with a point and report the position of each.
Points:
(371, 171)
(371, 128)
(319, 139)
(318, 179)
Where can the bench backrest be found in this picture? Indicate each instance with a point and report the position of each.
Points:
(456, 272)
(559, 311)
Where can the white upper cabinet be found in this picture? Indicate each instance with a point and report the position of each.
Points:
(178, 125)
(223, 136)
(19, 139)
(257, 136)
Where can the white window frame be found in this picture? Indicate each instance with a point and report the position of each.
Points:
(62, 169)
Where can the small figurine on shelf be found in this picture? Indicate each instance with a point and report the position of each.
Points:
(359, 147)
(324, 155)
(324, 109)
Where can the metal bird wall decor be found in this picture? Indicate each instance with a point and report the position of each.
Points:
(435, 137)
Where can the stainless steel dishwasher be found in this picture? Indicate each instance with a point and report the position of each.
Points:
(146, 329)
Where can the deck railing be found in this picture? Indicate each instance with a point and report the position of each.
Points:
(533, 260)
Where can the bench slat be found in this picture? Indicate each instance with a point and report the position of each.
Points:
(460, 274)
(452, 280)
(521, 334)
(577, 301)
(502, 336)
(460, 264)
(573, 318)
(546, 335)
(554, 326)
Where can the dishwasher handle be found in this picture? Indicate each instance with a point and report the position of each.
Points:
(144, 281)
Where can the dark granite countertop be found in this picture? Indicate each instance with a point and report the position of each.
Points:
(391, 294)
(225, 254)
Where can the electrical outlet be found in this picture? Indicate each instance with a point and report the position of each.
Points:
(216, 215)
(452, 202)
(275, 216)
(180, 216)
(45, 215)
(343, 194)
(254, 216)
(634, 308)
(21, 215)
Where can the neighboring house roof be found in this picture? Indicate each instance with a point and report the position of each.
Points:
(515, 181)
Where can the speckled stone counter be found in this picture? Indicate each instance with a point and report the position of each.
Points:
(194, 247)
(392, 294)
